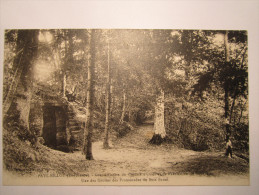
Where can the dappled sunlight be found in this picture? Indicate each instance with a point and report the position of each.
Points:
(43, 71)
(45, 36)
(219, 39)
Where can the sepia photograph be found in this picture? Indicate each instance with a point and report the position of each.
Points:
(104, 106)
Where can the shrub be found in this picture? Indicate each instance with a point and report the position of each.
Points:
(241, 137)
(123, 129)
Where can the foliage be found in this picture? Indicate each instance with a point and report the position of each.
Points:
(195, 125)
(241, 137)
(123, 129)
(189, 65)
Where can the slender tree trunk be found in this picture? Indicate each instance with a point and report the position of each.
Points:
(90, 98)
(108, 104)
(226, 86)
(112, 100)
(68, 60)
(64, 84)
(20, 94)
(123, 107)
(226, 100)
(130, 116)
(232, 106)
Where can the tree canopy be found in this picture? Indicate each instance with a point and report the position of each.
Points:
(203, 75)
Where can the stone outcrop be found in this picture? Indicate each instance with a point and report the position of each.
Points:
(75, 128)
(57, 122)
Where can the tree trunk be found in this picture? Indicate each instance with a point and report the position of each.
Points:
(64, 84)
(88, 131)
(108, 104)
(159, 123)
(159, 120)
(12, 88)
(20, 93)
(226, 86)
(232, 107)
(111, 99)
(226, 100)
(123, 107)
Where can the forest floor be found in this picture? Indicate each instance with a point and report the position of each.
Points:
(133, 156)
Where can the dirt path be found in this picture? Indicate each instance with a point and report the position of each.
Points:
(133, 156)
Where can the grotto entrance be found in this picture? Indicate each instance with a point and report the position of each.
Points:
(55, 125)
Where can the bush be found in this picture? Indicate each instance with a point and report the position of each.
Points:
(197, 141)
(194, 134)
(123, 129)
(241, 137)
(195, 126)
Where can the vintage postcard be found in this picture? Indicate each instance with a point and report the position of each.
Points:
(125, 107)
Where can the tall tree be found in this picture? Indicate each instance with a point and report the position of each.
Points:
(123, 106)
(159, 120)
(88, 131)
(108, 101)
(226, 72)
(226, 85)
(160, 49)
(19, 96)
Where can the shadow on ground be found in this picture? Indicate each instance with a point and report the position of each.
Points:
(212, 166)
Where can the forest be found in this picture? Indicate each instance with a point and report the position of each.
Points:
(89, 101)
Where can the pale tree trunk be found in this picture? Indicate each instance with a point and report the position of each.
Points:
(64, 84)
(159, 123)
(123, 107)
(64, 68)
(67, 61)
(159, 120)
(88, 131)
(108, 104)
(112, 100)
(226, 88)
(19, 98)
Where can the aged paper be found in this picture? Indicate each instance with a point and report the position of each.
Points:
(100, 107)
(235, 21)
